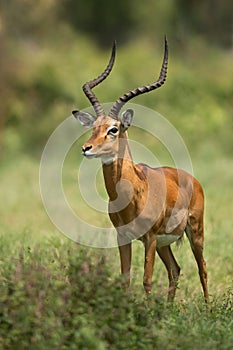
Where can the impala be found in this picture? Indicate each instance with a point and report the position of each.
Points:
(154, 205)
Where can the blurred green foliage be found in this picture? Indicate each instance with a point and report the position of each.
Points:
(48, 54)
(211, 18)
(125, 19)
(103, 20)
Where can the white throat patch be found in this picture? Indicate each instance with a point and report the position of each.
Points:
(108, 159)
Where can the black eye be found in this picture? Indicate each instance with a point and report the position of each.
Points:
(112, 131)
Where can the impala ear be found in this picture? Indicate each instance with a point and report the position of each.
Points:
(126, 118)
(84, 118)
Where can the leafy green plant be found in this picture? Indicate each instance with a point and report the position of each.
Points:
(70, 301)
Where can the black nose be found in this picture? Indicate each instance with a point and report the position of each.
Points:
(85, 149)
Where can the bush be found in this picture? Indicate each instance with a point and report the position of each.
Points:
(69, 303)
(63, 297)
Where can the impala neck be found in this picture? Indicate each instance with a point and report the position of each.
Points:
(120, 168)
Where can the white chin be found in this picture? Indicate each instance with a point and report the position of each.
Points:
(90, 156)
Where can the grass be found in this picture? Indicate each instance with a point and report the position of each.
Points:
(57, 294)
(66, 297)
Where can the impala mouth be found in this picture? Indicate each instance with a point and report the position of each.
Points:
(106, 159)
(89, 155)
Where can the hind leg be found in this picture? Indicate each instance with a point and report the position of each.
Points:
(173, 270)
(195, 234)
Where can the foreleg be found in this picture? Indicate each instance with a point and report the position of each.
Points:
(125, 257)
(150, 248)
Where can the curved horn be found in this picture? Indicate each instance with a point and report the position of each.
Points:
(87, 87)
(143, 89)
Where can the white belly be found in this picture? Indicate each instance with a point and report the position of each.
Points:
(163, 240)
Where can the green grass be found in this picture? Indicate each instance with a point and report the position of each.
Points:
(59, 295)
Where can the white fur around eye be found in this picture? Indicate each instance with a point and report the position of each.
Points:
(112, 128)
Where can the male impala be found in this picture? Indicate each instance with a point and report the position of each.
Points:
(154, 205)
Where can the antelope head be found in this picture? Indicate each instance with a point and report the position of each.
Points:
(109, 129)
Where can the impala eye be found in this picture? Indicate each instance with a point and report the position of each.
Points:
(112, 131)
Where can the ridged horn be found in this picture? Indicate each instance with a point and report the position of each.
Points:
(114, 111)
(87, 87)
